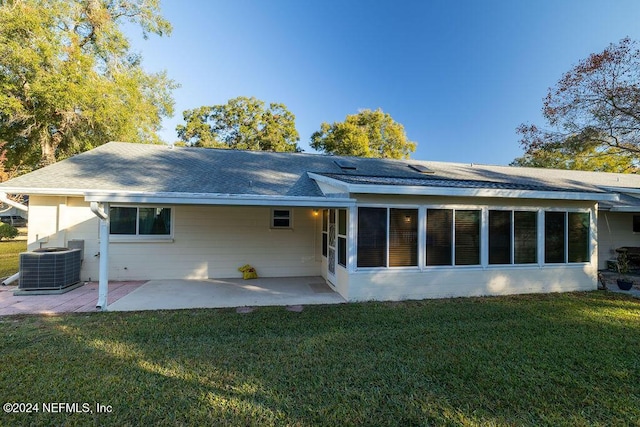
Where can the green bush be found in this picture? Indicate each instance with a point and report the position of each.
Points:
(7, 231)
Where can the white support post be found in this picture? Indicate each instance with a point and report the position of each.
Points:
(103, 276)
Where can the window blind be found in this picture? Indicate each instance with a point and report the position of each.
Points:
(372, 237)
(525, 231)
(467, 240)
(499, 237)
(554, 231)
(439, 241)
(403, 237)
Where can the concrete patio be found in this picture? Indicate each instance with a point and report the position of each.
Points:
(218, 293)
(176, 294)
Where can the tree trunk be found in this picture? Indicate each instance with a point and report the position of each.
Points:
(48, 149)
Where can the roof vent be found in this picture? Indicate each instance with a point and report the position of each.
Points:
(345, 164)
(421, 169)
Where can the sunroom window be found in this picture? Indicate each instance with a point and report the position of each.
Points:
(372, 237)
(566, 237)
(453, 235)
(387, 236)
(512, 237)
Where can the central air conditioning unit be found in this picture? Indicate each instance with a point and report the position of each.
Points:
(49, 268)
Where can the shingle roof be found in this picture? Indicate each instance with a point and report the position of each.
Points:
(118, 166)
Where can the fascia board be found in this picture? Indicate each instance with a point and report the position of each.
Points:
(217, 199)
(625, 209)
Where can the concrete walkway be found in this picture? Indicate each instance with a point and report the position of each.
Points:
(218, 293)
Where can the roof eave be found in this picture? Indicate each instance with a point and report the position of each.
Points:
(217, 199)
(410, 190)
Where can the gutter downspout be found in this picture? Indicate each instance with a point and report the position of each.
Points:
(103, 277)
(4, 199)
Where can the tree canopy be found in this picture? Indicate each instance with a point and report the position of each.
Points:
(242, 123)
(69, 80)
(365, 134)
(593, 113)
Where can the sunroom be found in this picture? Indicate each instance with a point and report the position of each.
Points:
(417, 243)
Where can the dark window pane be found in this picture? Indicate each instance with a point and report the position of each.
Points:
(281, 218)
(122, 220)
(325, 219)
(636, 223)
(342, 251)
(499, 237)
(467, 241)
(578, 235)
(154, 221)
(403, 237)
(281, 222)
(554, 237)
(342, 222)
(439, 228)
(325, 242)
(281, 213)
(525, 235)
(372, 237)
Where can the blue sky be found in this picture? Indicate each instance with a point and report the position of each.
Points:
(459, 75)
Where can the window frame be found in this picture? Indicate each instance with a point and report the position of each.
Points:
(482, 235)
(137, 237)
(542, 228)
(512, 236)
(387, 266)
(341, 238)
(536, 211)
(288, 217)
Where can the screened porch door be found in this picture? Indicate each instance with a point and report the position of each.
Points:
(331, 245)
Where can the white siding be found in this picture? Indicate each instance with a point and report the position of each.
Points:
(459, 282)
(208, 242)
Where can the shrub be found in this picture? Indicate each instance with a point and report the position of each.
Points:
(7, 231)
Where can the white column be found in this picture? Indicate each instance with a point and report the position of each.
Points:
(103, 277)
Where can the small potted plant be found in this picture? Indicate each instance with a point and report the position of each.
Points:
(623, 281)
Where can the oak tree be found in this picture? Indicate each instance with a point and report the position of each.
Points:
(69, 80)
(593, 113)
(365, 134)
(242, 123)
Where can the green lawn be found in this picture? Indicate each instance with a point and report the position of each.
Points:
(560, 359)
(9, 251)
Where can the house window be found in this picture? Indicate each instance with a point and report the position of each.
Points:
(342, 237)
(467, 237)
(453, 234)
(512, 237)
(387, 233)
(578, 237)
(372, 237)
(439, 236)
(636, 223)
(566, 237)
(403, 237)
(525, 237)
(554, 237)
(281, 218)
(139, 221)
